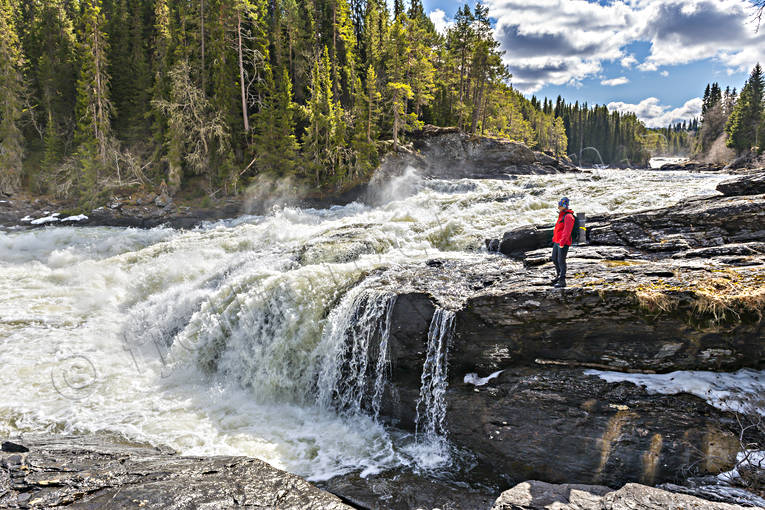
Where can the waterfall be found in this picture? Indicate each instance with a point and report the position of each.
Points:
(262, 336)
(354, 367)
(431, 404)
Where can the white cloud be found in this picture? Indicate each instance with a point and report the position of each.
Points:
(654, 114)
(629, 61)
(664, 73)
(613, 82)
(565, 41)
(438, 17)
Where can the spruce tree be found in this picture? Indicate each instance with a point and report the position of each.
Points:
(746, 119)
(55, 75)
(365, 115)
(372, 102)
(93, 108)
(274, 141)
(11, 102)
(160, 89)
(416, 11)
(375, 35)
(320, 112)
(344, 56)
(420, 69)
(398, 8)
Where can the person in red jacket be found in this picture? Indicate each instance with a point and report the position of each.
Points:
(561, 241)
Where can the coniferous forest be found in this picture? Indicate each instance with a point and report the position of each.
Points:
(211, 94)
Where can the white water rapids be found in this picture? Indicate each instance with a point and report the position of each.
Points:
(253, 336)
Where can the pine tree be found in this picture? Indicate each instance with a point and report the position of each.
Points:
(461, 37)
(398, 8)
(11, 102)
(275, 143)
(420, 70)
(417, 13)
(160, 90)
(372, 103)
(365, 115)
(291, 20)
(375, 35)
(321, 116)
(129, 68)
(93, 109)
(398, 54)
(55, 76)
(746, 119)
(344, 57)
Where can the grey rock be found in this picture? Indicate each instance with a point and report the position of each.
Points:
(753, 184)
(748, 161)
(450, 153)
(101, 472)
(559, 164)
(633, 496)
(711, 489)
(748, 249)
(694, 166)
(11, 447)
(535, 495)
(403, 490)
(163, 200)
(525, 238)
(557, 424)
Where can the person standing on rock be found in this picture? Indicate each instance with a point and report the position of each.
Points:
(562, 241)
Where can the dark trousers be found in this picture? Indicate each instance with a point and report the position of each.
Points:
(559, 259)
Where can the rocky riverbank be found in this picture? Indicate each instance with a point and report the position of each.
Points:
(94, 472)
(436, 152)
(747, 163)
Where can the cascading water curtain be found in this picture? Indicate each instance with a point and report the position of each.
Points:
(354, 369)
(431, 404)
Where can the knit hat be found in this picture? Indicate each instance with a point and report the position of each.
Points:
(563, 202)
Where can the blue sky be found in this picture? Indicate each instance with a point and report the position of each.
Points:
(653, 57)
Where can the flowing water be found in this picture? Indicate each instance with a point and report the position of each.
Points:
(264, 335)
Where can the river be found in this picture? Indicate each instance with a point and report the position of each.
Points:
(226, 339)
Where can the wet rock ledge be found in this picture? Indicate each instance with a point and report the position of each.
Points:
(102, 472)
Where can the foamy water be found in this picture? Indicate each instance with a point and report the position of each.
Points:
(227, 339)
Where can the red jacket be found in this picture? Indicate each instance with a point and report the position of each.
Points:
(563, 228)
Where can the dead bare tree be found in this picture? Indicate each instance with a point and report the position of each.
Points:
(759, 6)
(195, 126)
(245, 114)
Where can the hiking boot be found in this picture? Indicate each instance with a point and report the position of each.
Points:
(561, 284)
(554, 280)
